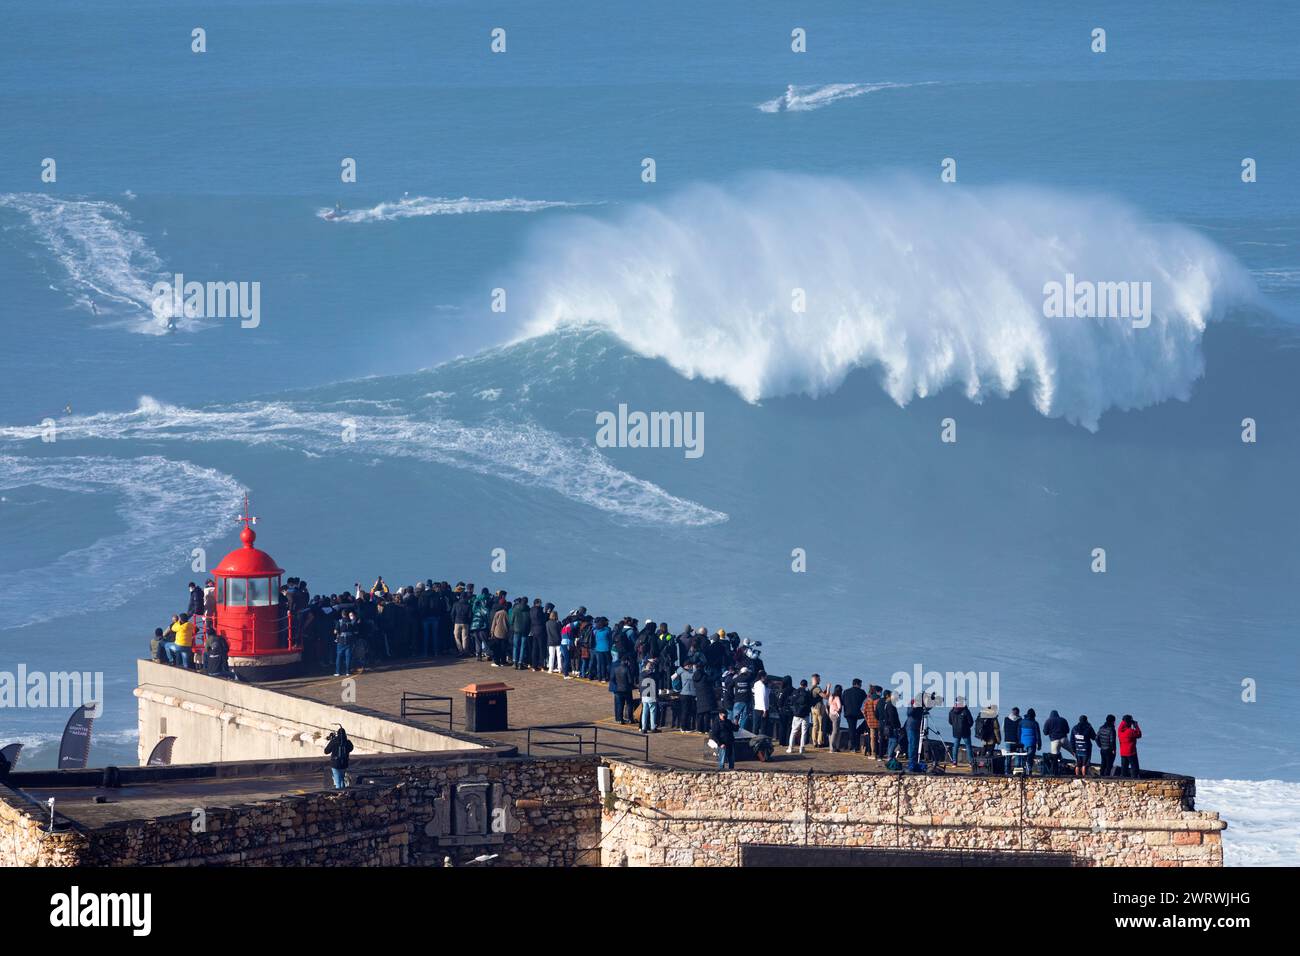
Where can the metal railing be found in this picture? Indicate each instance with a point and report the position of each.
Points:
(586, 738)
(413, 706)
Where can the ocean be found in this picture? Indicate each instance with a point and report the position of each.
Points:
(423, 381)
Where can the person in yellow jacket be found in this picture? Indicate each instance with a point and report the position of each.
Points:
(179, 648)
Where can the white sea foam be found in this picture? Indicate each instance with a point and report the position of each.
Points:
(168, 507)
(799, 99)
(933, 285)
(109, 265)
(1263, 820)
(413, 206)
(40, 748)
(521, 452)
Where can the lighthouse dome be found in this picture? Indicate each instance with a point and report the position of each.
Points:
(247, 561)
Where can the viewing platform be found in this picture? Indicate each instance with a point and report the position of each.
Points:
(562, 785)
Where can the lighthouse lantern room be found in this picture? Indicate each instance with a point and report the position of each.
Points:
(250, 615)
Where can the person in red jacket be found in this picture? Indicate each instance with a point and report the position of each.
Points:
(1129, 734)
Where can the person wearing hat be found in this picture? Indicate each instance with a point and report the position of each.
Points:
(961, 721)
(986, 728)
(1011, 735)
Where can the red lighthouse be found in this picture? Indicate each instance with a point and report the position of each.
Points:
(249, 613)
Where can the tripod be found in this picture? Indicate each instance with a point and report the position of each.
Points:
(923, 738)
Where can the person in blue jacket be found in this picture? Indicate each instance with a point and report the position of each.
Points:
(1031, 738)
(602, 635)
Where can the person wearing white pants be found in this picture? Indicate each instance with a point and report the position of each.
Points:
(554, 657)
(799, 729)
(801, 704)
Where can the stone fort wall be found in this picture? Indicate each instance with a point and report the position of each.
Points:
(411, 815)
(419, 811)
(655, 817)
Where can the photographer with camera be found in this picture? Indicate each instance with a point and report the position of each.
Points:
(337, 747)
(1129, 734)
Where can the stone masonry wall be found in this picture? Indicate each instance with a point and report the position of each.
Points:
(552, 817)
(658, 817)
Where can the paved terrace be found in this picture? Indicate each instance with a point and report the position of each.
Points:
(540, 699)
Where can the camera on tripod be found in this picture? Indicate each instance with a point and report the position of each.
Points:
(930, 700)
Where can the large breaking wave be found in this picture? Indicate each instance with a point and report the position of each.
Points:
(935, 286)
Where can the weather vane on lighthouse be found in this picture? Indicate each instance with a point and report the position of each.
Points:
(248, 534)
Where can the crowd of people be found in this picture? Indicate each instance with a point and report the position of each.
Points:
(695, 681)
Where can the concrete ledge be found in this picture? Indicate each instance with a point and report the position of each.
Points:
(216, 719)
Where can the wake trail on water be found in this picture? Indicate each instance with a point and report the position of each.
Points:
(168, 507)
(418, 206)
(934, 286)
(106, 260)
(803, 99)
(521, 452)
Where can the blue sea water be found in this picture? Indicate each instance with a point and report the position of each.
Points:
(475, 429)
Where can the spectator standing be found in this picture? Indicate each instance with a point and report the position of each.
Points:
(1107, 740)
(759, 721)
(723, 733)
(801, 705)
(684, 678)
(500, 631)
(1129, 734)
(961, 720)
(986, 728)
(853, 702)
(462, 614)
(345, 633)
(1056, 730)
(621, 681)
(1031, 739)
(554, 656)
(890, 727)
(915, 714)
(338, 747)
(834, 711)
(874, 745)
(1081, 738)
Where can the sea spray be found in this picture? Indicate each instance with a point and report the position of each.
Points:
(932, 285)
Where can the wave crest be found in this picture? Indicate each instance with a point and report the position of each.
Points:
(933, 285)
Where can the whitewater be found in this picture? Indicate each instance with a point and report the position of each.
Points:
(932, 286)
